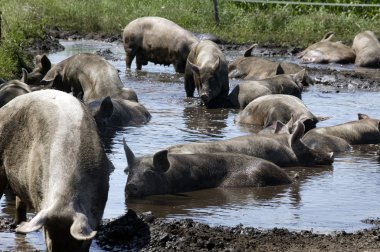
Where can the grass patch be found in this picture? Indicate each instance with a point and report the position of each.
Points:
(246, 23)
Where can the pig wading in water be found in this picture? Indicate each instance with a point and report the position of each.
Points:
(281, 149)
(268, 109)
(13, 88)
(367, 48)
(340, 137)
(207, 70)
(157, 40)
(53, 160)
(327, 51)
(165, 173)
(248, 90)
(90, 76)
(118, 112)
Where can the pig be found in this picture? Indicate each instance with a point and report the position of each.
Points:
(247, 91)
(53, 160)
(367, 48)
(207, 70)
(327, 51)
(114, 112)
(281, 149)
(276, 107)
(158, 40)
(89, 77)
(166, 173)
(13, 88)
(256, 68)
(41, 67)
(340, 137)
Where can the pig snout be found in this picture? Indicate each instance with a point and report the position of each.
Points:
(326, 159)
(132, 190)
(205, 98)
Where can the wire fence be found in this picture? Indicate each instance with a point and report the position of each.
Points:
(308, 3)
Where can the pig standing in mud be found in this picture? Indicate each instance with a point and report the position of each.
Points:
(207, 70)
(326, 51)
(367, 48)
(118, 112)
(13, 88)
(165, 173)
(53, 160)
(90, 76)
(158, 40)
(247, 91)
(281, 149)
(340, 137)
(268, 109)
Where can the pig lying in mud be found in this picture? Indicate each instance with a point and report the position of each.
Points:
(327, 51)
(256, 68)
(110, 112)
(41, 67)
(207, 70)
(367, 48)
(340, 137)
(158, 40)
(53, 160)
(247, 91)
(281, 149)
(90, 76)
(166, 173)
(13, 88)
(268, 109)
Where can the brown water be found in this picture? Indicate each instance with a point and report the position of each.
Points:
(325, 199)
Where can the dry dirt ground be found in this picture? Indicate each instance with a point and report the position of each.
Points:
(144, 232)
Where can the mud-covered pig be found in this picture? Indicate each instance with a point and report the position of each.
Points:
(248, 90)
(88, 76)
(327, 51)
(365, 130)
(268, 109)
(157, 40)
(53, 160)
(13, 88)
(281, 149)
(109, 112)
(165, 173)
(367, 48)
(207, 71)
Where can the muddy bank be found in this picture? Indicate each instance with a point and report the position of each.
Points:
(145, 233)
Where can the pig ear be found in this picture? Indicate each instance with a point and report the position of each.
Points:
(299, 77)
(34, 224)
(248, 53)
(281, 128)
(194, 68)
(362, 116)
(279, 70)
(129, 154)
(161, 161)
(24, 75)
(298, 132)
(106, 107)
(45, 62)
(328, 36)
(52, 74)
(80, 229)
(216, 65)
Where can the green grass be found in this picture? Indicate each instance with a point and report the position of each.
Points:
(241, 23)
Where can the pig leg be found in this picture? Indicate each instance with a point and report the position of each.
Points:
(189, 85)
(20, 211)
(140, 61)
(130, 54)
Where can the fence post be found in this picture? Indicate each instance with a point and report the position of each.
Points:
(1, 23)
(216, 12)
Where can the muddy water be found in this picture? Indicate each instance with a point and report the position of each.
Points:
(325, 199)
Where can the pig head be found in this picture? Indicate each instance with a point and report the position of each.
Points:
(367, 48)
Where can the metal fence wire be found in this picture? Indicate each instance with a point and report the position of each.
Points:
(309, 3)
